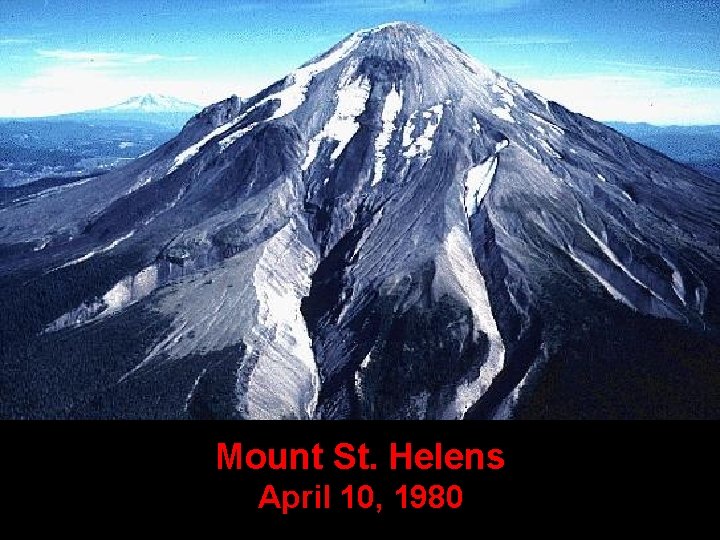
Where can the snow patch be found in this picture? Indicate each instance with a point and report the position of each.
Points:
(385, 25)
(408, 131)
(189, 396)
(678, 285)
(543, 123)
(112, 245)
(44, 242)
(422, 145)
(294, 96)
(131, 289)
(507, 406)
(287, 367)
(342, 126)
(191, 151)
(547, 148)
(125, 292)
(358, 377)
(391, 108)
(140, 183)
(617, 295)
(471, 284)
(503, 91)
(236, 135)
(53, 190)
(503, 113)
(610, 254)
(501, 145)
(366, 362)
(477, 183)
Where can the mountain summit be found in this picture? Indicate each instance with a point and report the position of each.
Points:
(393, 230)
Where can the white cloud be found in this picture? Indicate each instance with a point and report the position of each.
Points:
(180, 58)
(80, 80)
(512, 41)
(72, 86)
(662, 69)
(106, 59)
(632, 98)
(16, 41)
(79, 55)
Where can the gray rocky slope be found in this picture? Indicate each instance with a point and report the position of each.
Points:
(391, 231)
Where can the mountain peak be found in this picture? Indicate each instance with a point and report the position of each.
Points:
(426, 68)
(404, 36)
(399, 27)
(400, 38)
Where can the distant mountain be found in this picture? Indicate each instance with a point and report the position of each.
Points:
(152, 103)
(698, 146)
(158, 109)
(391, 231)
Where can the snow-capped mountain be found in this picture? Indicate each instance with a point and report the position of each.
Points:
(152, 103)
(165, 111)
(393, 230)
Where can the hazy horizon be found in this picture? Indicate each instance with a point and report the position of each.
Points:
(666, 71)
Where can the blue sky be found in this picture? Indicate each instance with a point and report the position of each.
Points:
(639, 60)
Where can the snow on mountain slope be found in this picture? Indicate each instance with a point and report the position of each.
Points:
(393, 230)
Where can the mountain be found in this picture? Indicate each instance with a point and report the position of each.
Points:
(158, 109)
(393, 230)
(698, 146)
(152, 103)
